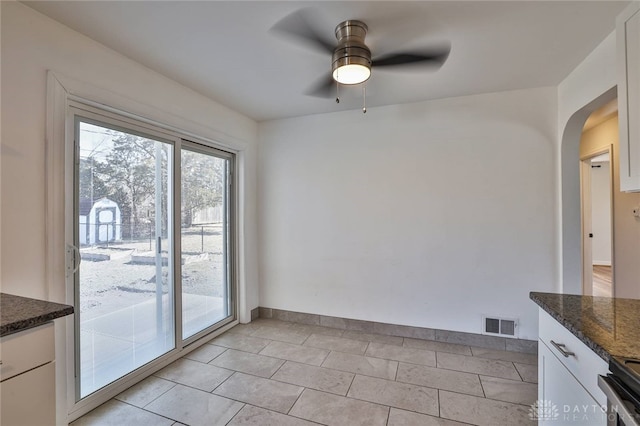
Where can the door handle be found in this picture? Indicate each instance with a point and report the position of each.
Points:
(76, 259)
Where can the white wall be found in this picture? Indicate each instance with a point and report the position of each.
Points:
(589, 86)
(33, 44)
(428, 214)
(601, 213)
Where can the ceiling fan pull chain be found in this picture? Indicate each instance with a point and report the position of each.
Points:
(364, 98)
(337, 92)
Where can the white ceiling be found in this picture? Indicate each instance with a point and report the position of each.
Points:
(225, 50)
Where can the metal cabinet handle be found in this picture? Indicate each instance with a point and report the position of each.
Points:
(561, 348)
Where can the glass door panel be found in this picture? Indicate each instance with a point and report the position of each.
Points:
(206, 299)
(124, 285)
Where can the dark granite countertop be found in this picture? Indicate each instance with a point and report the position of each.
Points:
(20, 313)
(610, 327)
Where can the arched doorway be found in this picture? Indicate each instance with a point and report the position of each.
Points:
(572, 265)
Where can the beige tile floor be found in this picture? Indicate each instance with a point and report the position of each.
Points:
(274, 373)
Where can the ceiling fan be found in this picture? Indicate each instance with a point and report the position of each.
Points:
(351, 58)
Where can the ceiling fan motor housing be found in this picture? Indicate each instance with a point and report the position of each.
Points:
(351, 49)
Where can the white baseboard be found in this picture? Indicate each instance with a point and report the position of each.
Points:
(601, 263)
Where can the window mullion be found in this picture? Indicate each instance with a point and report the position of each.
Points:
(177, 241)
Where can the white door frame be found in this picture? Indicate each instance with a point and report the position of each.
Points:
(61, 91)
(586, 218)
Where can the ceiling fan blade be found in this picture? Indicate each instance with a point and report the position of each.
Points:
(431, 57)
(324, 88)
(302, 26)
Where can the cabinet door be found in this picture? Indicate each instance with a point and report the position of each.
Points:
(628, 57)
(567, 401)
(29, 398)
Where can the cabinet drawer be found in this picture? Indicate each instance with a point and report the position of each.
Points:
(26, 350)
(29, 399)
(585, 365)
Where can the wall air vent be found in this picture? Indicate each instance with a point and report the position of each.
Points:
(492, 325)
(500, 326)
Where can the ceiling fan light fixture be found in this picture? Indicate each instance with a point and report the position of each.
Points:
(351, 62)
(352, 73)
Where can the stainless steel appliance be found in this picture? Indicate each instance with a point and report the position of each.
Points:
(622, 388)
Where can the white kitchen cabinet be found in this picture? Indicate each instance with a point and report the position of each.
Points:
(628, 57)
(564, 394)
(568, 383)
(27, 377)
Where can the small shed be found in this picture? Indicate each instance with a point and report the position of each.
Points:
(102, 223)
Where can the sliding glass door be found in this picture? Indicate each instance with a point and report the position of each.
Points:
(205, 238)
(153, 225)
